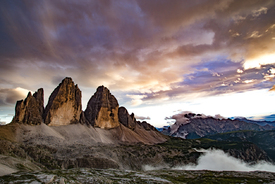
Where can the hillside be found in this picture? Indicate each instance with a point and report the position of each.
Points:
(263, 139)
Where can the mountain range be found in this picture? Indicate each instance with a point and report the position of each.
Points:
(192, 126)
(102, 116)
(261, 122)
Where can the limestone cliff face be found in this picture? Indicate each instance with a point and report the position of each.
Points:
(64, 106)
(102, 109)
(30, 111)
(126, 119)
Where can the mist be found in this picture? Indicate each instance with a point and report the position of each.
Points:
(218, 160)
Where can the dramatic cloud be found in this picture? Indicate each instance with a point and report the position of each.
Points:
(10, 96)
(147, 51)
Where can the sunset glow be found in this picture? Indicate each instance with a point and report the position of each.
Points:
(156, 57)
(259, 61)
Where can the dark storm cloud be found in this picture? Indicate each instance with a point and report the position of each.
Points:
(146, 49)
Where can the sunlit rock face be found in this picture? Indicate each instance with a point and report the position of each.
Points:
(126, 119)
(64, 106)
(30, 110)
(102, 109)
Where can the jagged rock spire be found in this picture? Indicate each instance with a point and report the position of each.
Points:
(102, 109)
(64, 106)
(30, 111)
(126, 119)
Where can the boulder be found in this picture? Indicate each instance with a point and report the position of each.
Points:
(125, 118)
(30, 110)
(102, 109)
(64, 106)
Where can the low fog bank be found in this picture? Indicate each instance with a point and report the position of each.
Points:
(218, 160)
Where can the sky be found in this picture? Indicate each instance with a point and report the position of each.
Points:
(157, 57)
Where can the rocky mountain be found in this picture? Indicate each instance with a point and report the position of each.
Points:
(30, 110)
(126, 119)
(102, 109)
(131, 122)
(194, 126)
(64, 106)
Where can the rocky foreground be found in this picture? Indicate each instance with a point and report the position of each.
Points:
(104, 176)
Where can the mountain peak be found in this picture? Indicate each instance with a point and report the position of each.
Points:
(102, 109)
(30, 110)
(64, 106)
(102, 88)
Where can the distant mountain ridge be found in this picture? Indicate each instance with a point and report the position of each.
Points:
(259, 122)
(194, 126)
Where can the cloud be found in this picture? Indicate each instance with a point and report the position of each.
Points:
(136, 99)
(149, 50)
(217, 160)
(259, 61)
(10, 96)
(262, 10)
(214, 78)
(182, 118)
(142, 117)
(270, 117)
(218, 116)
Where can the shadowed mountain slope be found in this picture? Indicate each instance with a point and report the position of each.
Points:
(192, 126)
